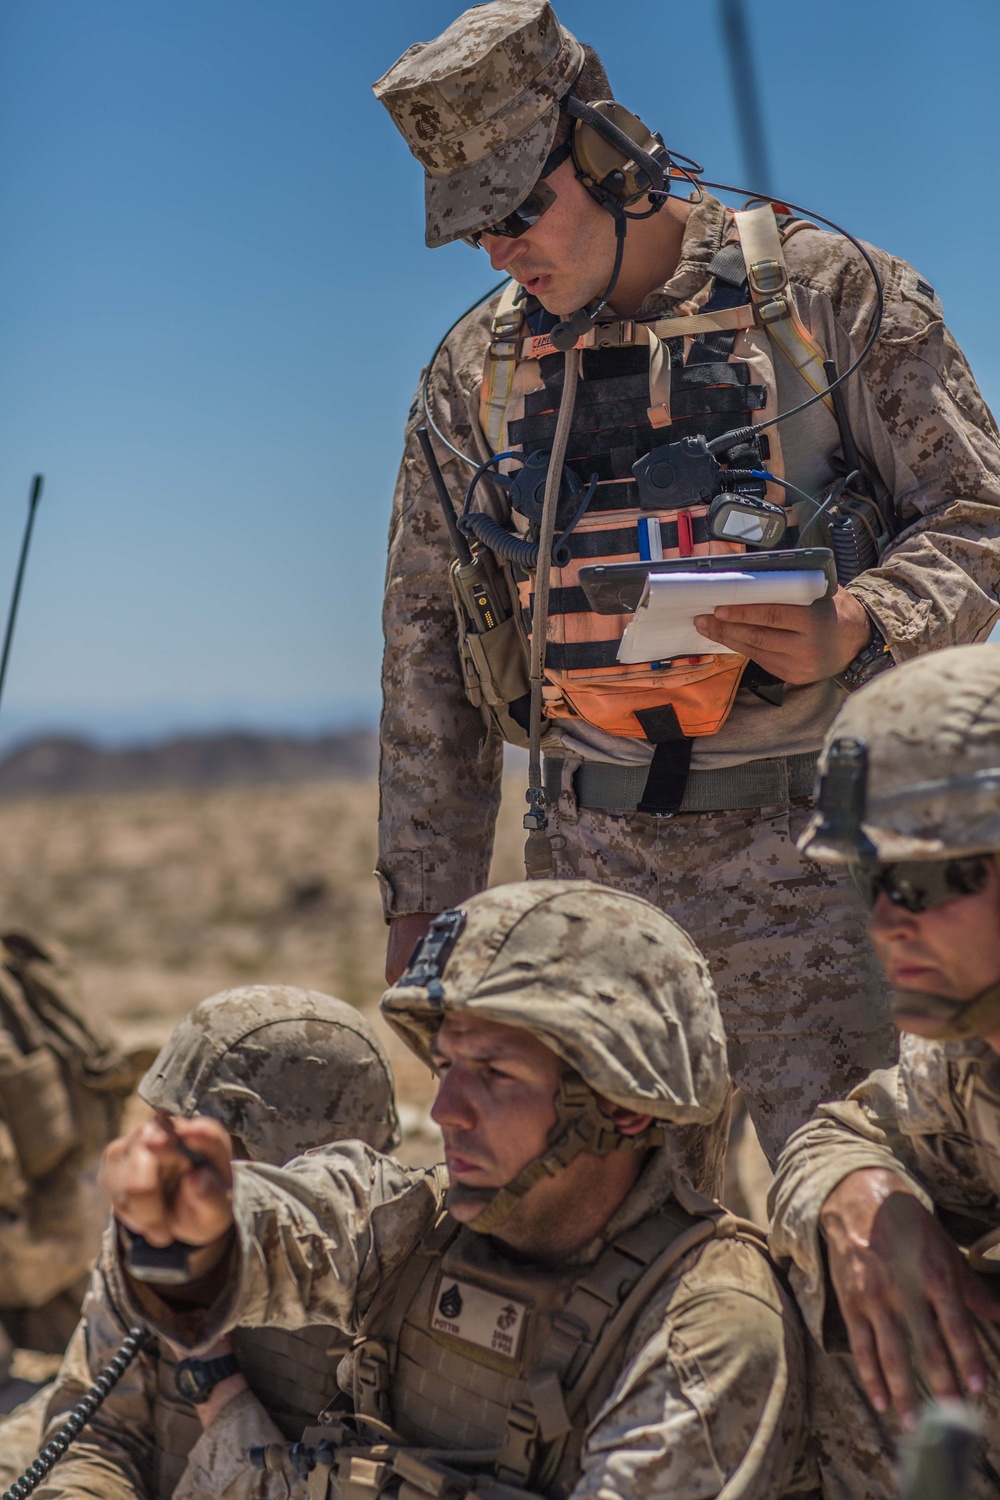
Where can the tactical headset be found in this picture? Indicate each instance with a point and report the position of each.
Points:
(617, 158)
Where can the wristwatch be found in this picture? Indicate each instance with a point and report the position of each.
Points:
(196, 1379)
(869, 662)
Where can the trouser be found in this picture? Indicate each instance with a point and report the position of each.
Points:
(859, 1452)
(804, 1001)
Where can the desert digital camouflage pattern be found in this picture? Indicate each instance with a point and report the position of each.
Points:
(712, 1380)
(603, 979)
(934, 1121)
(63, 1086)
(933, 735)
(478, 107)
(707, 1382)
(917, 414)
(284, 1069)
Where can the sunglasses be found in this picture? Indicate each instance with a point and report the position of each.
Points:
(528, 212)
(919, 885)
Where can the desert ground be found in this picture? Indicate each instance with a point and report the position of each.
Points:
(162, 898)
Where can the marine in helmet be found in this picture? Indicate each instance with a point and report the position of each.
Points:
(887, 1205)
(554, 1311)
(282, 1070)
(687, 780)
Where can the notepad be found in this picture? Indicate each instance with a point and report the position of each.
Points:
(663, 624)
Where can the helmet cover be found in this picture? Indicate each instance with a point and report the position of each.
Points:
(609, 983)
(283, 1069)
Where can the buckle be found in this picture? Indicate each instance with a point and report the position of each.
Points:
(767, 275)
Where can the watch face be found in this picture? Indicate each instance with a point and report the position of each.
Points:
(190, 1383)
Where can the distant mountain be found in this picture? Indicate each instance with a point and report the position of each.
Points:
(55, 765)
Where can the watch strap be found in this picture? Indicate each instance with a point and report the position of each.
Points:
(870, 661)
(208, 1373)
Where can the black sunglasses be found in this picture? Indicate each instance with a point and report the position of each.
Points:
(918, 885)
(528, 212)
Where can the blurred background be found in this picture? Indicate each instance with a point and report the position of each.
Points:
(215, 302)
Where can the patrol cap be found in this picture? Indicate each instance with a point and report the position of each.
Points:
(478, 107)
(925, 741)
(282, 1068)
(605, 980)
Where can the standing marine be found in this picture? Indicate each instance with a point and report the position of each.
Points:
(654, 382)
(554, 1314)
(887, 1205)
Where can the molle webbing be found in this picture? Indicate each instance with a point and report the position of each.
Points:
(293, 1373)
(532, 1408)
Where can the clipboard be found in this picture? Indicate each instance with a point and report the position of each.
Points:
(616, 588)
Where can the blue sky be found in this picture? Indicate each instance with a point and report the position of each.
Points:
(215, 302)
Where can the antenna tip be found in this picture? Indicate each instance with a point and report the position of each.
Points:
(36, 488)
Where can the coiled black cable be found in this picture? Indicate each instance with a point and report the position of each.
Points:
(79, 1416)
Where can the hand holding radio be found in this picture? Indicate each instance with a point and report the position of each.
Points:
(171, 1180)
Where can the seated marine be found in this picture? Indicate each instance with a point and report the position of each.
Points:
(282, 1070)
(555, 1312)
(887, 1205)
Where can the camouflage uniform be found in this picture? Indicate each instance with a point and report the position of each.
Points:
(284, 1070)
(62, 1090)
(702, 1384)
(934, 1120)
(791, 962)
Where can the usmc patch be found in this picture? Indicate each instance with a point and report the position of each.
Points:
(468, 1312)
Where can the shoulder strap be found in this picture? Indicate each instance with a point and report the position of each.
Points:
(501, 364)
(767, 275)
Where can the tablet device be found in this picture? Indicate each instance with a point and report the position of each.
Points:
(616, 588)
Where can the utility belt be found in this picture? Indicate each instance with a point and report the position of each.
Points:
(600, 785)
(329, 1465)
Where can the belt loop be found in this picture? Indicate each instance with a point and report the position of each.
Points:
(552, 777)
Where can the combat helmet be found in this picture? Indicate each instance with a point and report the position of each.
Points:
(612, 986)
(910, 775)
(283, 1069)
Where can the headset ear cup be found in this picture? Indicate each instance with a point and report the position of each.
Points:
(613, 178)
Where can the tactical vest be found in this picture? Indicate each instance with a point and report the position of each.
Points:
(499, 1368)
(704, 372)
(293, 1373)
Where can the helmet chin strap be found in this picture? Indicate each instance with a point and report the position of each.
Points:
(565, 334)
(958, 1018)
(581, 1126)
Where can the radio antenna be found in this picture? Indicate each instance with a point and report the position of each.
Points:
(15, 598)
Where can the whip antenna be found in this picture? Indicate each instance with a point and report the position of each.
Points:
(15, 598)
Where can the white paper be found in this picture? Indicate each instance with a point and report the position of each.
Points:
(663, 624)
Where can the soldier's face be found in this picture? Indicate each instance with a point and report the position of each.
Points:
(565, 259)
(951, 950)
(495, 1103)
(496, 1107)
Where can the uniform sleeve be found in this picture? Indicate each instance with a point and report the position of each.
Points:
(313, 1240)
(218, 1466)
(439, 776)
(113, 1457)
(907, 1120)
(919, 418)
(711, 1395)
